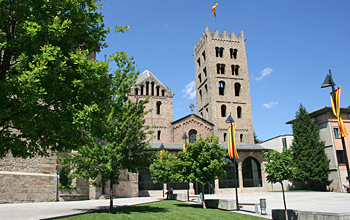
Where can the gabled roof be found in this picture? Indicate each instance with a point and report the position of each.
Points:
(187, 116)
(145, 75)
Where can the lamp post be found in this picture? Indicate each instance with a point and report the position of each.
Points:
(329, 82)
(230, 120)
(188, 184)
(161, 147)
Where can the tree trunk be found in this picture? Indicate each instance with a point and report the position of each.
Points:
(111, 194)
(284, 201)
(203, 202)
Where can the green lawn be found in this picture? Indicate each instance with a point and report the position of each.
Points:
(167, 209)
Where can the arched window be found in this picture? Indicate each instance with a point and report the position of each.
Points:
(251, 173)
(206, 88)
(147, 88)
(202, 114)
(233, 53)
(237, 89)
(152, 88)
(221, 88)
(193, 136)
(228, 180)
(158, 135)
(205, 71)
(200, 94)
(203, 54)
(239, 112)
(236, 70)
(207, 113)
(223, 111)
(217, 51)
(200, 78)
(163, 92)
(142, 89)
(136, 91)
(225, 136)
(241, 138)
(158, 107)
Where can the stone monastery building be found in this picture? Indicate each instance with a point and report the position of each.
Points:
(222, 87)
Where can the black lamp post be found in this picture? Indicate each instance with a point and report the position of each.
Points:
(188, 184)
(329, 82)
(161, 147)
(230, 120)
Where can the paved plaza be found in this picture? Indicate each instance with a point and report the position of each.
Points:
(304, 201)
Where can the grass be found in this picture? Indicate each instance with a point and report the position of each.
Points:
(167, 209)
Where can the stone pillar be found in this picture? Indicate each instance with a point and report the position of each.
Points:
(217, 188)
(240, 176)
(192, 191)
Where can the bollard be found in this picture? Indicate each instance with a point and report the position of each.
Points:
(263, 206)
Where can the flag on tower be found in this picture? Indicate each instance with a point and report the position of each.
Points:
(214, 9)
(232, 151)
(336, 111)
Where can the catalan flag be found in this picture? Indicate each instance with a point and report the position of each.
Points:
(161, 155)
(214, 9)
(232, 151)
(336, 111)
(185, 146)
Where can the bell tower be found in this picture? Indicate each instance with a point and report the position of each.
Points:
(222, 84)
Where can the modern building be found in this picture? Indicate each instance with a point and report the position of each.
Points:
(329, 133)
(278, 143)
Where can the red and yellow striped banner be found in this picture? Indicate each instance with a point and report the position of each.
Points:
(336, 111)
(184, 148)
(232, 151)
(161, 155)
(214, 9)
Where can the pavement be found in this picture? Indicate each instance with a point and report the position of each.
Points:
(329, 202)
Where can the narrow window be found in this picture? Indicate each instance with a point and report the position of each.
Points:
(200, 94)
(221, 52)
(233, 69)
(336, 132)
(237, 89)
(152, 88)
(207, 113)
(218, 68)
(206, 88)
(221, 88)
(200, 78)
(217, 51)
(241, 137)
(199, 62)
(205, 71)
(142, 89)
(202, 114)
(158, 107)
(233, 53)
(223, 68)
(163, 92)
(225, 136)
(136, 91)
(236, 70)
(193, 136)
(147, 88)
(284, 143)
(239, 112)
(223, 111)
(157, 89)
(340, 157)
(203, 54)
(158, 136)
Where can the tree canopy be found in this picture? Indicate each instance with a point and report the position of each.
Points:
(308, 152)
(49, 82)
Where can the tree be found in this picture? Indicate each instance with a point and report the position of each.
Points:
(256, 140)
(119, 139)
(48, 86)
(202, 161)
(279, 168)
(308, 152)
(164, 168)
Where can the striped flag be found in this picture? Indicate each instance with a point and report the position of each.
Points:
(336, 112)
(214, 9)
(161, 155)
(232, 151)
(184, 148)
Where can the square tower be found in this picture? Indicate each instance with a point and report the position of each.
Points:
(222, 84)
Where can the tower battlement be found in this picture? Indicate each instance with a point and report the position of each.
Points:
(216, 36)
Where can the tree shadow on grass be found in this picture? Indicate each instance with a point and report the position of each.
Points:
(139, 209)
(186, 205)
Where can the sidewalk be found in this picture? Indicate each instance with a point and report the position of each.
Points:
(330, 202)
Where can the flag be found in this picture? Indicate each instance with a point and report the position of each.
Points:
(161, 155)
(184, 148)
(232, 151)
(214, 9)
(336, 111)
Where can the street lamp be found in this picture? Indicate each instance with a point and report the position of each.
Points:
(230, 120)
(188, 184)
(161, 147)
(329, 82)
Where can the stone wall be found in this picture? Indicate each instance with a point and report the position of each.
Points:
(26, 187)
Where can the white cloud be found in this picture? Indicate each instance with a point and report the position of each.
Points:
(166, 24)
(190, 90)
(270, 105)
(267, 71)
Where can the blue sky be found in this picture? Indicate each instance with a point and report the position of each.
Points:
(291, 45)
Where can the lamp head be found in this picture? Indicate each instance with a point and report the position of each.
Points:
(184, 136)
(230, 119)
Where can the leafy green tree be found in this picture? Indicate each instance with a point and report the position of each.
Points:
(48, 86)
(202, 162)
(279, 168)
(164, 170)
(119, 139)
(256, 140)
(308, 152)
